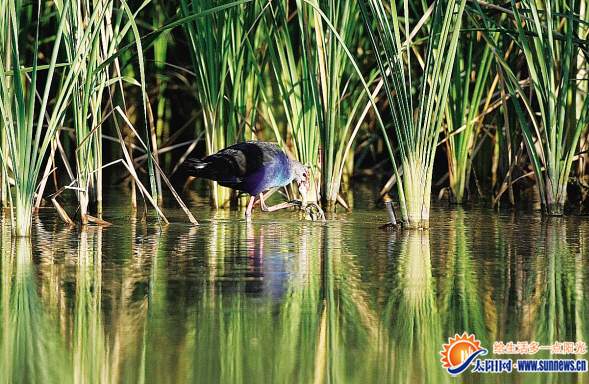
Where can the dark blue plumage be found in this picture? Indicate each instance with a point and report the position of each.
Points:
(252, 167)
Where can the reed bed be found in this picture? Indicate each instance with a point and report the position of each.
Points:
(88, 89)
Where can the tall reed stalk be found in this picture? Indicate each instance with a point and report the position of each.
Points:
(416, 107)
(245, 58)
(217, 43)
(161, 50)
(340, 92)
(582, 91)
(88, 92)
(466, 106)
(294, 72)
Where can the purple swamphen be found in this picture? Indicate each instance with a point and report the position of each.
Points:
(253, 167)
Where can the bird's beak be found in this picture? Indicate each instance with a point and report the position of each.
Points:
(304, 187)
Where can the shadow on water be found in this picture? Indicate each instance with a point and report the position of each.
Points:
(282, 301)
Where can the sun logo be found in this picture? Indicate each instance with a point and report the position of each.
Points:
(460, 352)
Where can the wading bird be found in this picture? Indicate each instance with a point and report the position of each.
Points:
(253, 167)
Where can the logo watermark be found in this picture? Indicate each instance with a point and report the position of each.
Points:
(464, 352)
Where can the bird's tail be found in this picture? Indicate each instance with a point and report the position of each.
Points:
(194, 167)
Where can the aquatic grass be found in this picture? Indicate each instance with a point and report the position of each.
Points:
(162, 47)
(29, 126)
(341, 93)
(127, 162)
(508, 151)
(416, 130)
(98, 30)
(89, 87)
(319, 87)
(549, 40)
(7, 56)
(303, 72)
(582, 90)
(245, 58)
(293, 74)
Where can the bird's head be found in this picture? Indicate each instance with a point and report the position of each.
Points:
(301, 176)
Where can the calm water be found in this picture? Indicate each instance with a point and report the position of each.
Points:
(283, 300)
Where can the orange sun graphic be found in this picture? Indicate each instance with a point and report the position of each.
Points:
(458, 349)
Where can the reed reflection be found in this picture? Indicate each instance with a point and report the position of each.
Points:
(90, 350)
(556, 309)
(460, 301)
(28, 336)
(411, 315)
(349, 325)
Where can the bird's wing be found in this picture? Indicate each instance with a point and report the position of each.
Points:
(243, 159)
(223, 167)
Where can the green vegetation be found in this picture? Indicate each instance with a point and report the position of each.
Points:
(89, 88)
(225, 67)
(553, 114)
(28, 128)
(466, 110)
(416, 129)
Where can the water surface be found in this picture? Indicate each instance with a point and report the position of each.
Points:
(283, 300)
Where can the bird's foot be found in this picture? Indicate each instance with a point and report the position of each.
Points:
(313, 212)
(391, 226)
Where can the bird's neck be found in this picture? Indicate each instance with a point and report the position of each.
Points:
(290, 169)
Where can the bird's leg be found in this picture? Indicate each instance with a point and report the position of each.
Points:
(248, 210)
(286, 204)
(263, 203)
(268, 193)
(276, 207)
